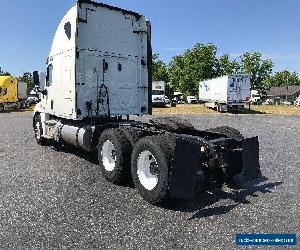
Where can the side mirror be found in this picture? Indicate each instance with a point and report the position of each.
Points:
(44, 92)
(36, 78)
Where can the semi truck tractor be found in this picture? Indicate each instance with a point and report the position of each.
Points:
(158, 93)
(13, 93)
(98, 80)
(231, 92)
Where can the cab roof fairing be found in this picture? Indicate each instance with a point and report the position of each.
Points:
(96, 4)
(61, 41)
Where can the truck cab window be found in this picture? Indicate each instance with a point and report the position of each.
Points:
(68, 29)
(49, 75)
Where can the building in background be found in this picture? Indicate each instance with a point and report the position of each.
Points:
(283, 94)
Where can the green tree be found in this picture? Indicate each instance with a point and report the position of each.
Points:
(228, 67)
(2, 73)
(193, 66)
(27, 77)
(159, 69)
(283, 78)
(259, 70)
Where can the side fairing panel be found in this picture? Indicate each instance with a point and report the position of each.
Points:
(60, 99)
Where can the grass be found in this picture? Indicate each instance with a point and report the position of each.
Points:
(277, 109)
(199, 109)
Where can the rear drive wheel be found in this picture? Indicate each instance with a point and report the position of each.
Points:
(114, 151)
(38, 130)
(150, 167)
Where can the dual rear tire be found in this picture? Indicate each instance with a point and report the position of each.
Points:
(114, 152)
(147, 162)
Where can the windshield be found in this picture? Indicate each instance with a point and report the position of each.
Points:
(158, 92)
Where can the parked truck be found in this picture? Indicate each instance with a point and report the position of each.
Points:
(231, 92)
(13, 93)
(158, 93)
(98, 76)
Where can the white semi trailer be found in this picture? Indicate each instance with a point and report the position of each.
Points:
(98, 74)
(231, 92)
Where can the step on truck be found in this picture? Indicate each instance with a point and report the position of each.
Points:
(98, 78)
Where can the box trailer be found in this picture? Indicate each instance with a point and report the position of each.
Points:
(229, 92)
(98, 76)
(13, 93)
(158, 93)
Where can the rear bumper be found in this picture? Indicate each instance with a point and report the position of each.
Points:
(158, 103)
(236, 106)
(186, 172)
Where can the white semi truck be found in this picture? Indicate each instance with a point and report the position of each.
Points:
(231, 92)
(158, 93)
(99, 74)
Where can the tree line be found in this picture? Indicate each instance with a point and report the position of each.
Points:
(186, 70)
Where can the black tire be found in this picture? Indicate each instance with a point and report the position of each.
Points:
(162, 147)
(122, 147)
(227, 131)
(132, 134)
(38, 130)
(175, 124)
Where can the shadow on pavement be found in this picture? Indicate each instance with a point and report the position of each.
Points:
(248, 112)
(236, 192)
(91, 157)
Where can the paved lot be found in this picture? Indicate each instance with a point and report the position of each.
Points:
(51, 199)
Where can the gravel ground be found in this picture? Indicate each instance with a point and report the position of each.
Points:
(57, 199)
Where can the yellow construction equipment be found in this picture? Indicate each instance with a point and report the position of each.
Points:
(12, 92)
(8, 89)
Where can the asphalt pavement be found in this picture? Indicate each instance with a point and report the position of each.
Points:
(58, 199)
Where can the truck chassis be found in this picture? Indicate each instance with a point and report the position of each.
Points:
(166, 158)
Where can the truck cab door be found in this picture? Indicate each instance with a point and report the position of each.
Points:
(59, 99)
(48, 97)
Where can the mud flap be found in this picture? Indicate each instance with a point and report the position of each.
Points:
(251, 167)
(184, 177)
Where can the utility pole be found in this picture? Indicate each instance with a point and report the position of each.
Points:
(287, 88)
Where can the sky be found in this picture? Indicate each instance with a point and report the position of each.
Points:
(235, 26)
